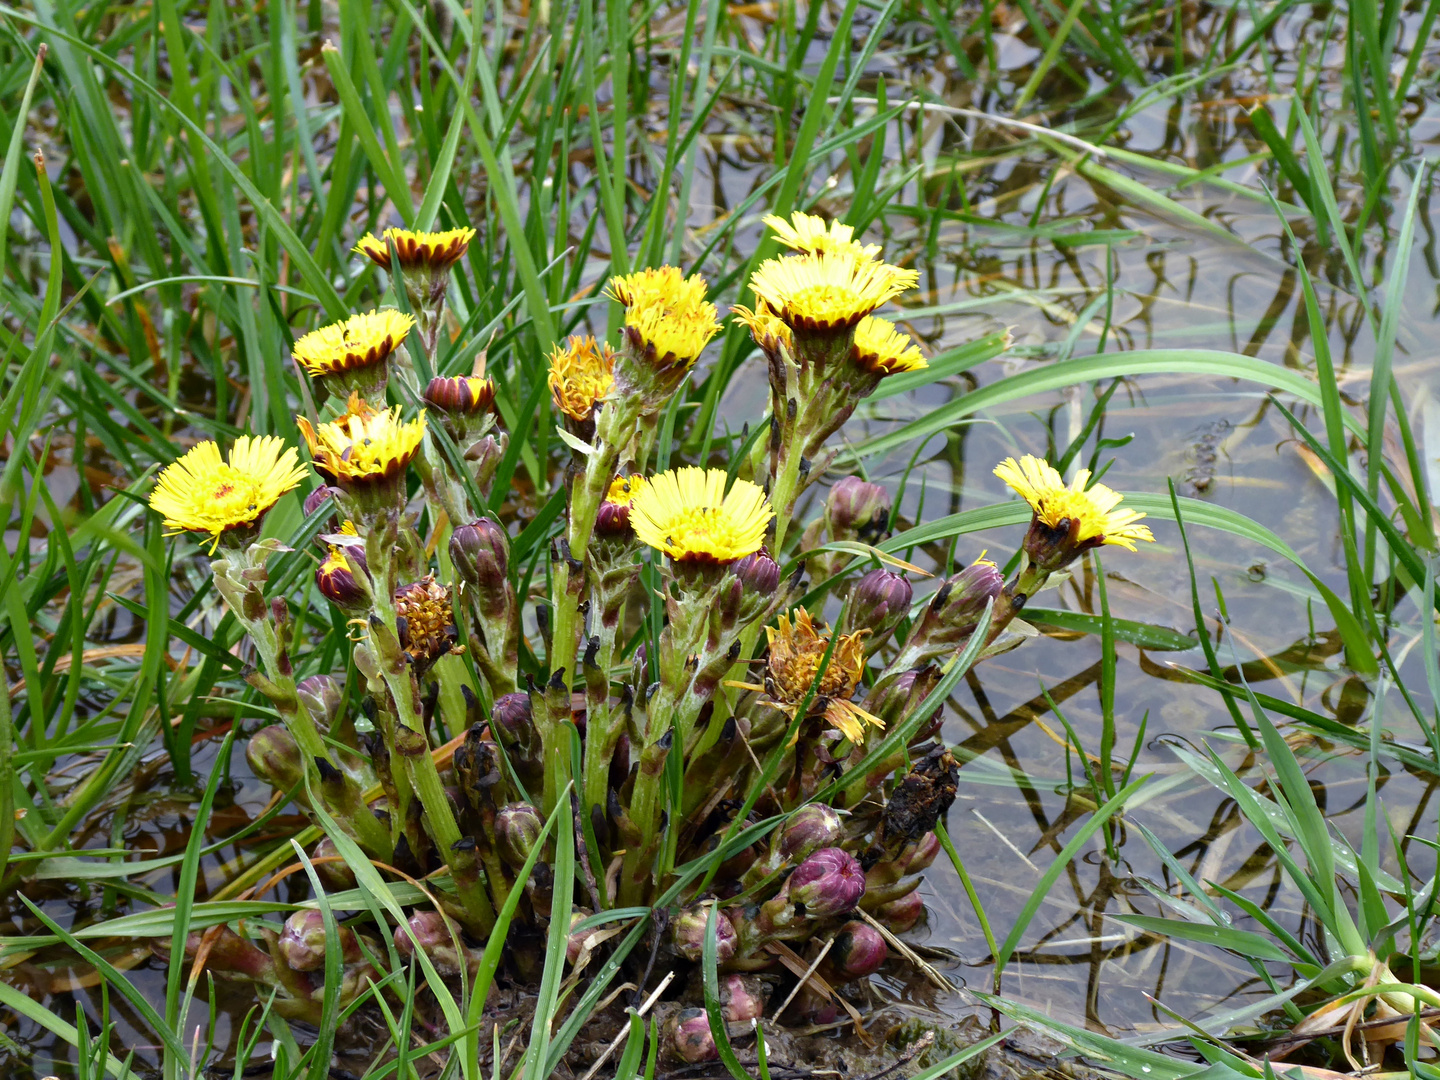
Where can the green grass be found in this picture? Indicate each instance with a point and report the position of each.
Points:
(206, 169)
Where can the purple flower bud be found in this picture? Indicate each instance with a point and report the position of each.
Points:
(514, 721)
(758, 573)
(880, 600)
(302, 942)
(690, 1037)
(857, 510)
(859, 950)
(902, 914)
(481, 553)
(517, 828)
(613, 520)
(688, 930)
(321, 695)
(274, 757)
(811, 827)
(436, 935)
(467, 394)
(742, 998)
(322, 496)
(830, 882)
(575, 943)
(957, 606)
(336, 581)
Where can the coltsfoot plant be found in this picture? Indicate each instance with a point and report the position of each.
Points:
(666, 682)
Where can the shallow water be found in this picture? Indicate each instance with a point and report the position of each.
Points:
(1031, 245)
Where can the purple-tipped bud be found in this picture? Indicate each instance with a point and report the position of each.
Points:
(321, 696)
(688, 929)
(465, 394)
(830, 882)
(811, 827)
(690, 1037)
(859, 950)
(514, 721)
(613, 520)
(857, 510)
(274, 757)
(333, 870)
(322, 496)
(436, 935)
(337, 583)
(517, 829)
(957, 606)
(902, 914)
(481, 553)
(742, 998)
(575, 943)
(759, 574)
(302, 942)
(880, 600)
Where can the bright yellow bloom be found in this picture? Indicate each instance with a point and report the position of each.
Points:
(581, 374)
(883, 350)
(1090, 516)
(827, 292)
(360, 341)
(364, 446)
(661, 286)
(688, 514)
(796, 651)
(200, 492)
(623, 490)
(808, 233)
(767, 328)
(416, 250)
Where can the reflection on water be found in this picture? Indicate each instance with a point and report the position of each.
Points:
(1039, 242)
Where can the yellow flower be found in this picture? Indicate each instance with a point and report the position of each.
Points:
(464, 394)
(796, 651)
(688, 514)
(883, 350)
(364, 446)
(581, 374)
(767, 328)
(361, 341)
(416, 250)
(623, 490)
(827, 291)
(200, 492)
(1091, 517)
(667, 318)
(808, 233)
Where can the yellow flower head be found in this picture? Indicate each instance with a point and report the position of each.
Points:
(581, 374)
(1090, 517)
(688, 514)
(883, 350)
(767, 328)
(416, 250)
(827, 292)
(200, 492)
(623, 490)
(796, 651)
(361, 341)
(613, 518)
(363, 446)
(808, 233)
(667, 318)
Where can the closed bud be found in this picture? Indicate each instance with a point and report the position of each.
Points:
(879, 601)
(690, 1038)
(857, 510)
(435, 935)
(302, 942)
(688, 931)
(514, 721)
(336, 582)
(902, 914)
(322, 496)
(922, 853)
(333, 870)
(481, 553)
(957, 606)
(465, 395)
(613, 520)
(758, 573)
(830, 882)
(859, 950)
(274, 757)
(812, 827)
(321, 696)
(742, 998)
(517, 829)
